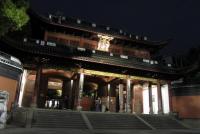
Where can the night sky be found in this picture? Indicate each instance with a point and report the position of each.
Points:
(156, 19)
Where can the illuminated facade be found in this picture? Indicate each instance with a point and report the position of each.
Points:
(70, 63)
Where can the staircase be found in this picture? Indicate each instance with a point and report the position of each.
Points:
(115, 121)
(162, 121)
(51, 118)
(58, 119)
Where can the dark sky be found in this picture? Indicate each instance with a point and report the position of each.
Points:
(156, 19)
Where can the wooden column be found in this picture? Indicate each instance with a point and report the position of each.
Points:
(108, 96)
(170, 96)
(80, 94)
(145, 98)
(18, 90)
(150, 99)
(75, 92)
(160, 107)
(133, 98)
(121, 98)
(42, 92)
(70, 94)
(128, 96)
(138, 100)
(37, 87)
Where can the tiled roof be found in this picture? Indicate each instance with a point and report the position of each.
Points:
(78, 24)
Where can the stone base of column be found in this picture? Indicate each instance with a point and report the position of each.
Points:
(29, 118)
(160, 112)
(79, 108)
(151, 112)
(121, 110)
(15, 105)
(128, 110)
(133, 112)
(34, 103)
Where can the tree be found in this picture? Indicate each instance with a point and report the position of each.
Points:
(13, 15)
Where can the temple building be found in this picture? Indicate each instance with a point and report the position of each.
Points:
(71, 64)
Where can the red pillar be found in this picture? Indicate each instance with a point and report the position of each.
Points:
(128, 95)
(150, 99)
(170, 96)
(80, 93)
(160, 108)
(37, 87)
(18, 89)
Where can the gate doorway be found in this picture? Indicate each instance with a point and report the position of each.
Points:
(54, 99)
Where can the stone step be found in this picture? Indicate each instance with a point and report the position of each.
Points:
(58, 119)
(44, 118)
(115, 121)
(53, 126)
(162, 122)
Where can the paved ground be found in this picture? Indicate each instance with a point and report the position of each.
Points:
(75, 131)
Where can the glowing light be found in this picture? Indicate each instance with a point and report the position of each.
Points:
(72, 82)
(122, 76)
(104, 42)
(55, 85)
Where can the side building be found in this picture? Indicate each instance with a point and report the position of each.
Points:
(11, 71)
(186, 93)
